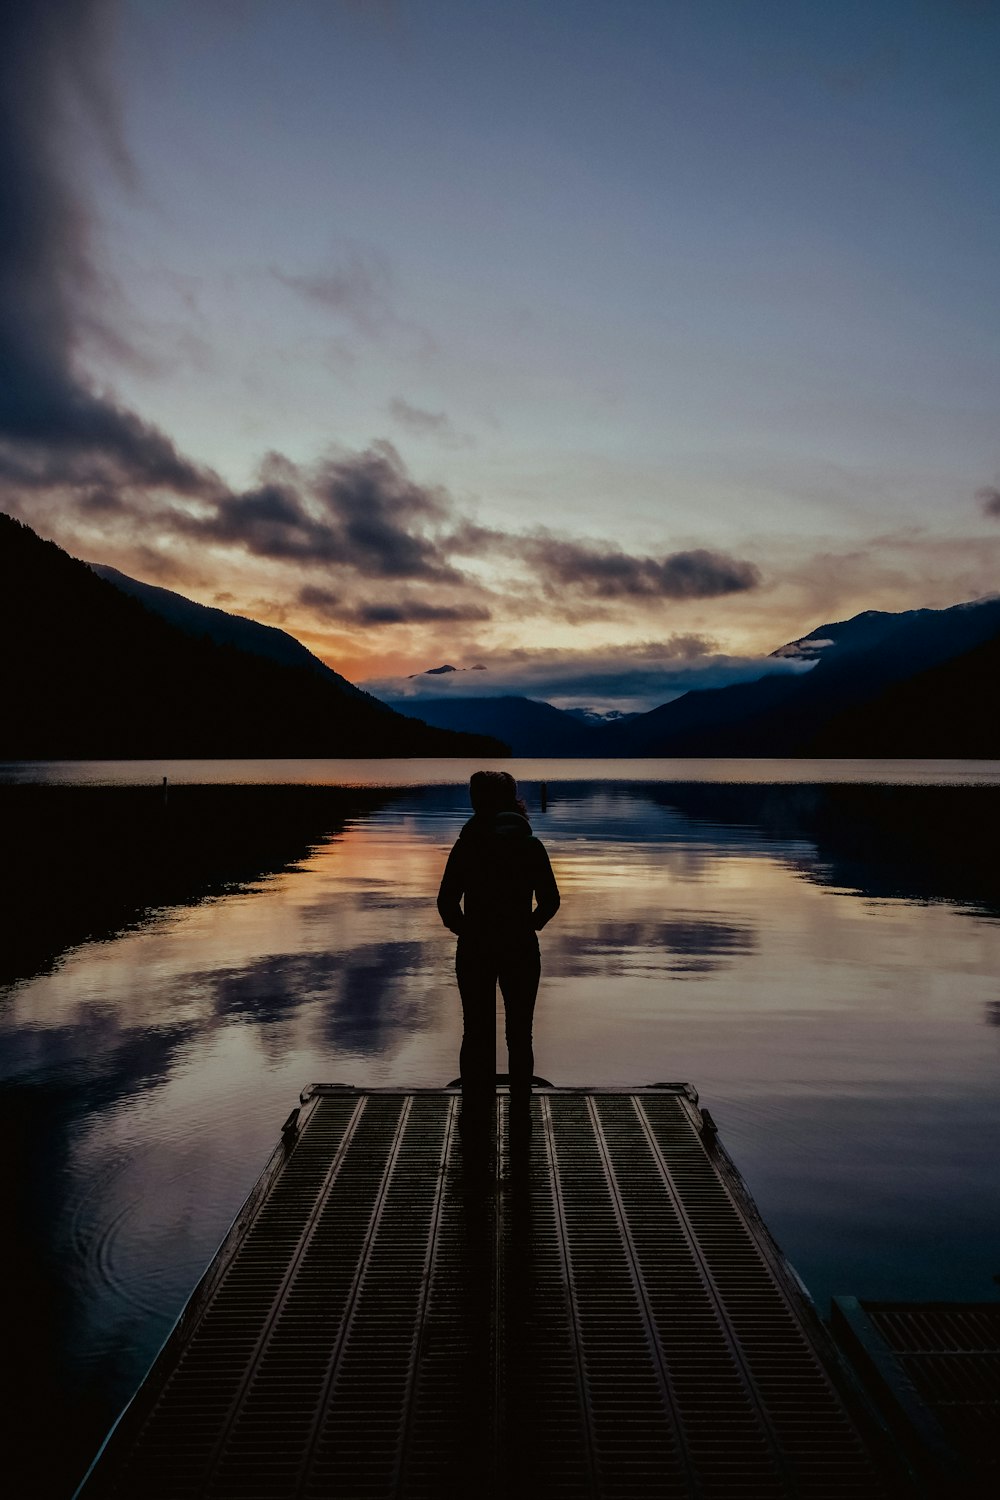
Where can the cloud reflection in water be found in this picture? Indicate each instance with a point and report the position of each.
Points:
(686, 946)
(360, 996)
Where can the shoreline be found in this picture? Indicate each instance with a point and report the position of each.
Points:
(86, 863)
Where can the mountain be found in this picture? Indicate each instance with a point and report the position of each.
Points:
(915, 683)
(592, 716)
(87, 671)
(225, 629)
(527, 726)
(859, 664)
(948, 710)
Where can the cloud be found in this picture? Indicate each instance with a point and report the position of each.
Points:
(417, 611)
(426, 423)
(356, 291)
(989, 499)
(359, 521)
(360, 512)
(608, 573)
(323, 601)
(415, 418)
(602, 571)
(359, 290)
(361, 517)
(55, 428)
(334, 606)
(632, 677)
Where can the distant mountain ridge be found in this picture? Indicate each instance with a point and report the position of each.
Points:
(864, 659)
(99, 664)
(945, 711)
(528, 726)
(89, 671)
(916, 683)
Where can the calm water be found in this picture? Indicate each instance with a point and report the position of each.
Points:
(829, 988)
(452, 772)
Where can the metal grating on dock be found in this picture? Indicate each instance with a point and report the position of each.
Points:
(609, 1317)
(934, 1369)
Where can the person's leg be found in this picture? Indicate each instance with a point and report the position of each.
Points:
(519, 971)
(476, 971)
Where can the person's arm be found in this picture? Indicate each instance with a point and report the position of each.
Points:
(546, 890)
(449, 901)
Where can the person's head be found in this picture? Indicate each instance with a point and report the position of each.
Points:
(494, 792)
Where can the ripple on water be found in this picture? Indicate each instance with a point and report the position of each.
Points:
(146, 1219)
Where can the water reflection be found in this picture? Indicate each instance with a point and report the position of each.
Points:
(86, 861)
(684, 946)
(360, 998)
(918, 843)
(819, 961)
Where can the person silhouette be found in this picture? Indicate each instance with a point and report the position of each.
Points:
(496, 894)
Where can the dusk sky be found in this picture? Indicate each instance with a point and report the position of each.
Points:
(609, 345)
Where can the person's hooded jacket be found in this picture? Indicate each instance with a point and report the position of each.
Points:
(500, 874)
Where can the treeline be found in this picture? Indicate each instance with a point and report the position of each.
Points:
(86, 862)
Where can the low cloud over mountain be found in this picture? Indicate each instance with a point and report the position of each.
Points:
(630, 678)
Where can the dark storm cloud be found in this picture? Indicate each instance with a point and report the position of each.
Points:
(608, 573)
(55, 429)
(989, 499)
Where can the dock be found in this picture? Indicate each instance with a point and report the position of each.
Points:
(607, 1316)
(933, 1371)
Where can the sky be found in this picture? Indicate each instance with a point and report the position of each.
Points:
(607, 344)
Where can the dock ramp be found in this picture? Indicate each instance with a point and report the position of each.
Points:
(606, 1317)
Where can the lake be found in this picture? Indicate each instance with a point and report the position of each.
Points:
(814, 945)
